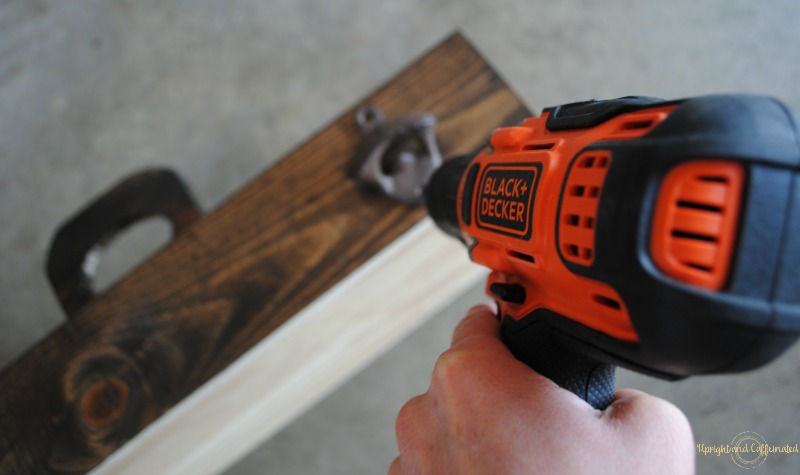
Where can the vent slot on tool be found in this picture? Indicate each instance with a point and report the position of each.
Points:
(522, 256)
(539, 146)
(578, 214)
(607, 302)
(695, 222)
(637, 124)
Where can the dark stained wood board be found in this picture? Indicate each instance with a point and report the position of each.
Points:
(230, 279)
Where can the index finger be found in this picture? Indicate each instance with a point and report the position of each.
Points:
(480, 321)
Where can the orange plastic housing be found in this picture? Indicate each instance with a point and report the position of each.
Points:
(579, 206)
(695, 221)
(534, 259)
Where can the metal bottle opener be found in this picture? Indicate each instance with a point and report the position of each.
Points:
(398, 157)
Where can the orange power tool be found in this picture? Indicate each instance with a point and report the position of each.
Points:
(660, 236)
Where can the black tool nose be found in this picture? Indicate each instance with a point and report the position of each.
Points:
(441, 194)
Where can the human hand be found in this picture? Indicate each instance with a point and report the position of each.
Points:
(487, 413)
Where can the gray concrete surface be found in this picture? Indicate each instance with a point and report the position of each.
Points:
(93, 90)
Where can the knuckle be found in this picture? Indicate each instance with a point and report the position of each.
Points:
(674, 423)
(415, 432)
(406, 422)
(396, 467)
(653, 418)
(459, 379)
(661, 412)
(451, 369)
(669, 429)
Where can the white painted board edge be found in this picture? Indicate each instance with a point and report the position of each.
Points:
(304, 360)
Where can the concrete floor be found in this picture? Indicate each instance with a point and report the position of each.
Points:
(91, 91)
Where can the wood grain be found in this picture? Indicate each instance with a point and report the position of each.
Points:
(231, 279)
(293, 368)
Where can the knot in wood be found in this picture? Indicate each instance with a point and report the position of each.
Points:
(104, 402)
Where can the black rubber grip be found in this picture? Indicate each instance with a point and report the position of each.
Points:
(565, 360)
